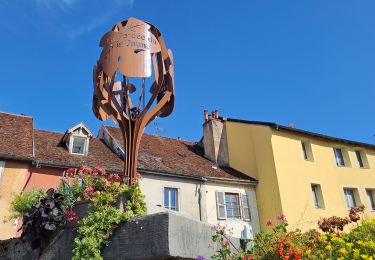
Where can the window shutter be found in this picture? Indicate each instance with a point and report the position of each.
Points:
(246, 215)
(2, 166)
(220, 205)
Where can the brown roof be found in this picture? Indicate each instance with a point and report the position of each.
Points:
(158, 154)
(50, 150)
(16, 138)
(169, 155)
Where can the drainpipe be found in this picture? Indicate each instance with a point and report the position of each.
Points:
(201, 202)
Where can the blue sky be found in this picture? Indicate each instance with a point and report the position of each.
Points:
(310, 63)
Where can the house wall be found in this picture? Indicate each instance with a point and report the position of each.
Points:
(236, 225)
(250, 152)
(295, 176)
(152, 187)
(276, 160)
(44, 177)
(13, 180)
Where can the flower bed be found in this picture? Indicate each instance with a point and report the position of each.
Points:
(329, 242)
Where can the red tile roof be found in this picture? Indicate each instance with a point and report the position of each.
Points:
(169, 155)
(50, 150)
(16, 136)
(157, 154)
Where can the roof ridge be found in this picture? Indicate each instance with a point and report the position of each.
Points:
(12, 114)
(162, 136)
(301, 131)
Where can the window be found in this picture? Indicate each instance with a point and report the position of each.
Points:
(350, 198)
(79, 145)
(171, 198)
(307, 151)
(232, 206)
(339, 157)
(2, 166)
(371, 199)
(359, 159)
(317, 196)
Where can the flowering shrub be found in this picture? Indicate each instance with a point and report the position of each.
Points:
(332, 243)
(104, 214)
(45, 213)
(70, 216)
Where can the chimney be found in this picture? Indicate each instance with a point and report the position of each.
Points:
(205, 112)
(215, 140)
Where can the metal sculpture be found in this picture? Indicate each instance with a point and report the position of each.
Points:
(131, 50)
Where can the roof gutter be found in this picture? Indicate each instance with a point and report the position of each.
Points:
(197, 178)
(16, 157)
(239, 181)
(169, 174)
(37, 164)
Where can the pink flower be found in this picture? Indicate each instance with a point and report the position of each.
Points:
(227, 243)
(89, 189)
(138, 176)
(282, 218)
(269, 223)
(98, 170)
(71, 170)
(85, 170)
(116, 177)
(217, 228)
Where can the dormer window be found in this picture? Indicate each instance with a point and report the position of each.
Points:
(79, 145)
(77, 139)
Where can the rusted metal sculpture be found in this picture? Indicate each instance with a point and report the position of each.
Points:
(131, 50)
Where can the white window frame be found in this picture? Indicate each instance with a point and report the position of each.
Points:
(239, 204)
(241, 197)
(337, 157)
(307, 153)
(359, 157)
(317, 195)
(314, 190)
(371, 198)
(86, 144)
(2, 169)
(354, 194)
(177, 199)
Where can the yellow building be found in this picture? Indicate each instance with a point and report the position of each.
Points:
(302, 174)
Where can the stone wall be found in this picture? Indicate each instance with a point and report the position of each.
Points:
(164, 235)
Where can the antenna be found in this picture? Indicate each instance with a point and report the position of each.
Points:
(157, 128)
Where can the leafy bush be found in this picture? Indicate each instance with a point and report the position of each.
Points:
(104, 214)
(46, 216)
(24, 202)
(281, 244)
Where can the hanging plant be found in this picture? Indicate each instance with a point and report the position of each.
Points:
(104, 212)
(45, 216)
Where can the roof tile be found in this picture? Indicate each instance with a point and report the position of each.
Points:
(16, 138)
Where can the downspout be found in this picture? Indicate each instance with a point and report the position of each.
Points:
(200, 199)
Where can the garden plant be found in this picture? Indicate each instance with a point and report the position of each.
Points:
(330, 241)
(110, 202)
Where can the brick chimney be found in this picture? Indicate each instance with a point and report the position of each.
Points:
(215, 139)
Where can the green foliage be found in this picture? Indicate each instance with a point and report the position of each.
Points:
(24, 202)
(70, 193)
(45, 216)
(104, 214)
(281, 244)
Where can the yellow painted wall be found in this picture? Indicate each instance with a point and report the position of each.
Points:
(250, 151)
(12, 183)
(275, 159)
(295, 176)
